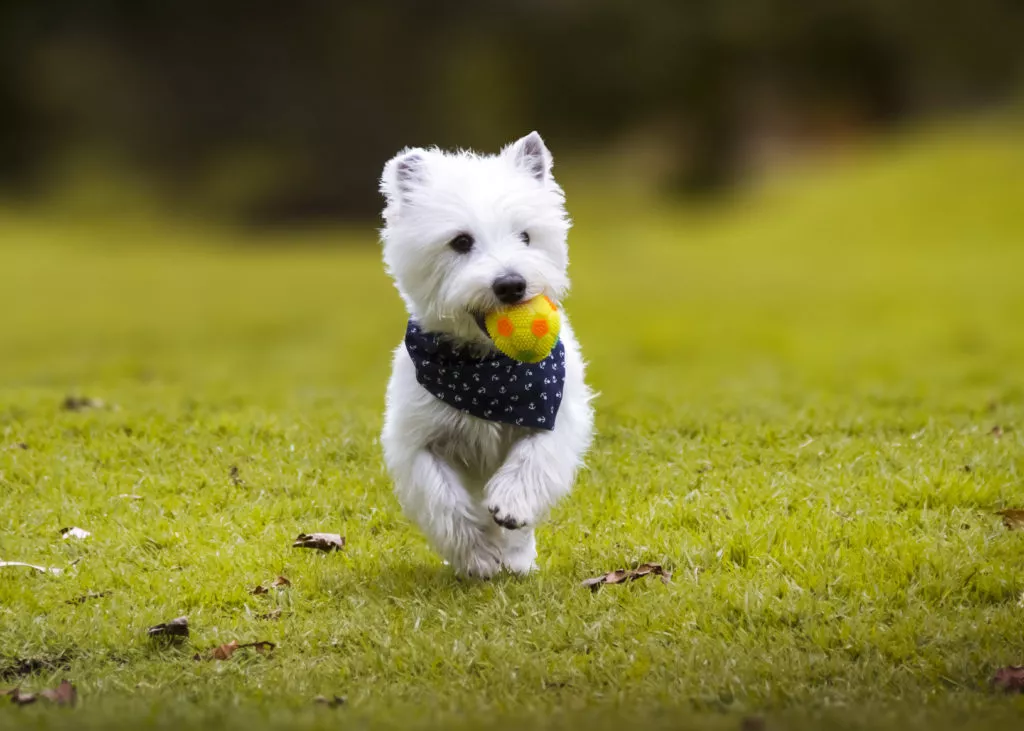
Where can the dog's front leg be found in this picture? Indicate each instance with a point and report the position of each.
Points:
(539, 470)
(432, 494)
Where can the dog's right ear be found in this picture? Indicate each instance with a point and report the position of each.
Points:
(403, 173)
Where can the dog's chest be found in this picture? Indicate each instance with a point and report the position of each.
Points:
(475, 447)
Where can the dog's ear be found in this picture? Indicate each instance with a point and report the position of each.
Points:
(402, 174)
(531, 155)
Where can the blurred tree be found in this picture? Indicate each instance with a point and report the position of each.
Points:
(279, 111)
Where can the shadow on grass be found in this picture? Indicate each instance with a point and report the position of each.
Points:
(425, 580)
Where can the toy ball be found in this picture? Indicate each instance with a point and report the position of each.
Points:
(525, 332)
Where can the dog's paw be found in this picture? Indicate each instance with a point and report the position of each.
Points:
(520, 567)
(520, 562)
(507, 506)
(482, 561)
(506, 519)
(479, 567)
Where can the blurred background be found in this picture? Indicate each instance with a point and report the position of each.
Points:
(780, 189)
(273, 113)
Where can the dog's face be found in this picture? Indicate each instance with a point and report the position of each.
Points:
(464, 234)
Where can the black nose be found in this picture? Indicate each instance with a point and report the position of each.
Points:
(510, 288)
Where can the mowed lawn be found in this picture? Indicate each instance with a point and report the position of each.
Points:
(812, 406)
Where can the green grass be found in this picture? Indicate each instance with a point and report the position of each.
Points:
(797, 399)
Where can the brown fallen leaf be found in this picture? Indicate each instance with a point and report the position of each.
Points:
(622, 575)
(1009, 679)
(1013, 518)
(322, 541)
(43, 569)
(997, 431)
(235, 476)
(23, 699)
(81, 403)
(270, 616)
(616, 577)
(73, 532)
(87, 596)
(225, 651)
(175, 628)
(277, 583)
(332, 702)
(63, 695)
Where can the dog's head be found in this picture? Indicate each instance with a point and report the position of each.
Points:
(464, 233)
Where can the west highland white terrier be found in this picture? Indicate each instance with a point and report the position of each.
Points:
(479, 446)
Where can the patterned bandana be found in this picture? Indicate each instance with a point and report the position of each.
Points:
(493, 387)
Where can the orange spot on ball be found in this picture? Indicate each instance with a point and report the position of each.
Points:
(505, 327)
(540, 327)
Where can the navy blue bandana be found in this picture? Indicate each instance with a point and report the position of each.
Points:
(492, 387)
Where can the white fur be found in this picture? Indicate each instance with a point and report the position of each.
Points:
(456, 475)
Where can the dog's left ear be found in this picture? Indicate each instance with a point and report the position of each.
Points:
(531, 155)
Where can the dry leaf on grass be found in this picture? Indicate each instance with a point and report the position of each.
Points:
(81, 403)
(997, 431)
(73, 532)
(175, 628)
(87, 596)
(225, 651)
(270, 616)
(278, 583)
(620, 576)
(1012, 518)
(22, 699)
(332, 702)
(235, 476)
(321, 541)
(1009, 679)
(63, 695)
(43, 569)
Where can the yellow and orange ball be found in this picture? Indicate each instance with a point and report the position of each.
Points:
(525, 332)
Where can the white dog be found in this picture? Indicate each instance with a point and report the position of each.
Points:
(479, 446)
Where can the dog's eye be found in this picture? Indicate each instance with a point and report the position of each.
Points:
(462, 243)
(524, 236)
